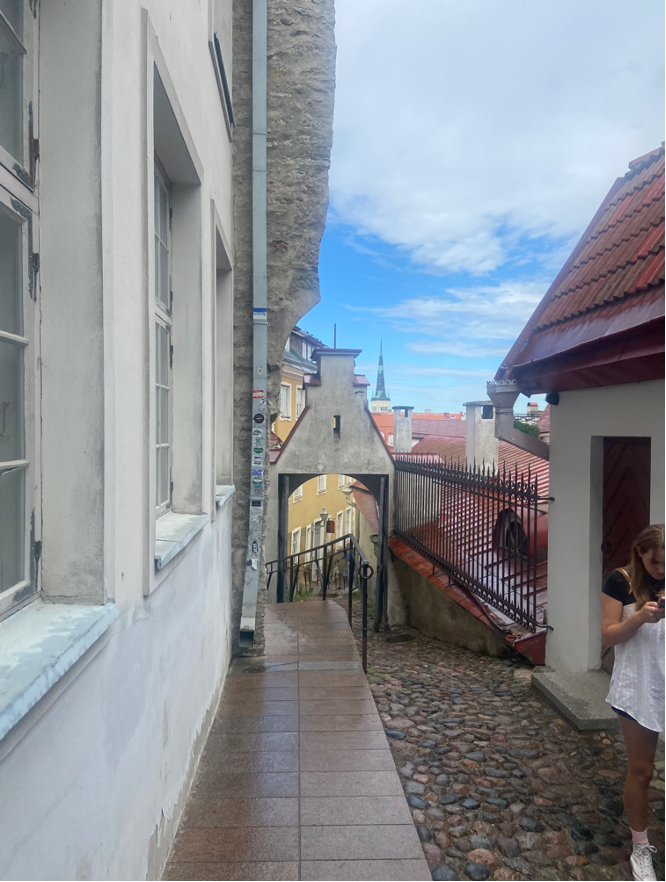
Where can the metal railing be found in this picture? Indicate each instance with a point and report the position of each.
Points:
(485, 528)
(342, 559)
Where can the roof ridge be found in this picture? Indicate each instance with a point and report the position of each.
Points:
(644, 161)
(645, 182)
(618, 243)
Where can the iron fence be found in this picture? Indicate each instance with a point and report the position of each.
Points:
(485, 528)
(339, 560)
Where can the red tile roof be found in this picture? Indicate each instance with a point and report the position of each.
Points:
(509, 456)
(606, 306)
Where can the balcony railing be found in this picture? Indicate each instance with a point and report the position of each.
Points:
(486, 529)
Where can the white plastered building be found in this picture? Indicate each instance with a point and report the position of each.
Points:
(116, 378)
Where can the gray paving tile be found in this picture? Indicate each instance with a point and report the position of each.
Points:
(350, 784)
(363, 871)
(370, 842)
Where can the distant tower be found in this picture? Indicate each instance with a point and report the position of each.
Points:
(380, 402)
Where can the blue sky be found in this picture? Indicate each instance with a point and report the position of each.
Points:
(473, 142)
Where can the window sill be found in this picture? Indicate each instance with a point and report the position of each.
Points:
(40, 644)
(173, 532)
(223, 493)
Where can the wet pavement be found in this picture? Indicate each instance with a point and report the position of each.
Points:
(297, 780)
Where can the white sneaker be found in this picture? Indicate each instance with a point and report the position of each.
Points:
(641, 862)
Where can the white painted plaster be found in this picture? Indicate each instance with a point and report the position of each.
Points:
(480, 442)
(578, 425)
(94, 777)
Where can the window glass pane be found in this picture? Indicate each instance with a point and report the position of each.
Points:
(11, 401)
(11, 87)
(12, 527)
(163, 275)
(11, 300)
(163, 425)
(162, 482)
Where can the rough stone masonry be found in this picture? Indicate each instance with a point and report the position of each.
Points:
(301, 86)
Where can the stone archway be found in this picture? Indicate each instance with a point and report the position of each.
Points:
(335, 433)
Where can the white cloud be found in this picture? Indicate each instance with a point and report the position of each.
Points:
(479, 313)
(464, 126)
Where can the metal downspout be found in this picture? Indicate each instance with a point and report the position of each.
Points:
(260, 426)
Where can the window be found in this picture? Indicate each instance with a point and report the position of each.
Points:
(298, 493)
(300, 401)
(321, 484)
(285, 401)
(390, 440)
(341, 482)
(348, 520)
(296, 541)
(16, 31)
(338, 524)
(163, 348)
(308, 542)
(18, 306)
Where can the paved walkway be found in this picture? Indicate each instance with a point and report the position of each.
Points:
(297, 780)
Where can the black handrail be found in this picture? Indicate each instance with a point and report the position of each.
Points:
(322, 557)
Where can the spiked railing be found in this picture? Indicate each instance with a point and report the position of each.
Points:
(483, 527)
(321, 561)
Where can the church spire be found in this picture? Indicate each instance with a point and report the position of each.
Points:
(380, 391)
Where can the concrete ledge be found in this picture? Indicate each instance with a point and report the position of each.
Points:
(173, 531)
(223, 493)
(38, 646)
(581, 698)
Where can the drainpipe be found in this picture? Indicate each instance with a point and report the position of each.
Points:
(260, 426)
(503, 394)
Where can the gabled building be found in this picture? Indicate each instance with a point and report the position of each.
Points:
(595, 345)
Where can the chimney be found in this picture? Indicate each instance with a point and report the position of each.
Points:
(480, 440)
(402, 429)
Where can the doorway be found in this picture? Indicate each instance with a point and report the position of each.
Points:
(625, 506)
(626, 498)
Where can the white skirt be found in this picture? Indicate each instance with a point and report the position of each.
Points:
(637, 681)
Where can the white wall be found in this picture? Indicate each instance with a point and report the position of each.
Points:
(578, 425)
(94, 781)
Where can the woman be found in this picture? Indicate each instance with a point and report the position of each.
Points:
(632, 615)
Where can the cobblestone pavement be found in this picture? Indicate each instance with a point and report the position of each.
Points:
(499, 785)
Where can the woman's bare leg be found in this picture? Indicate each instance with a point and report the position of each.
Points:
(641, 747)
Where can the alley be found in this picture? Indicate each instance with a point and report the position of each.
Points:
(297, 780)
(499, 785)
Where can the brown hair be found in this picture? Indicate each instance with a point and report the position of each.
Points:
(650, 539)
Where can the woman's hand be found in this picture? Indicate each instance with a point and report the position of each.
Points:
(651, 613)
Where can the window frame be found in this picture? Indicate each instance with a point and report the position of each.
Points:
(341, 482)
(349, 524)
(295, 535)
(300, 400)
(23, 167)
(13, 597)
(283, 415)
(321, 484)
(163, 317)
(308, 542)
(298, 494)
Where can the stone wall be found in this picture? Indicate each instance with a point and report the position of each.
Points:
(301, 85)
